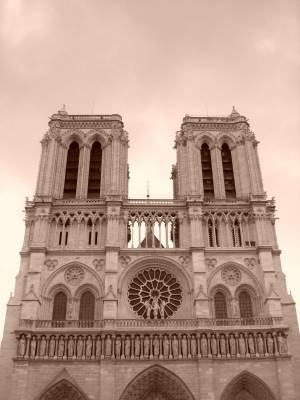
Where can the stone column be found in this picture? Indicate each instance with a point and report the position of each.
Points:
(217, 169)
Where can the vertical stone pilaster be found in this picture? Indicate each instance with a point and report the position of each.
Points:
(217, 169)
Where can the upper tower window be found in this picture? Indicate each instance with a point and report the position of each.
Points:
(59, 307)
(228, 171)
(71, 171)
(87, 306)
(95, 171)
(207, 175)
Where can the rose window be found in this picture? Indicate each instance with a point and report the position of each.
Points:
(154, 293)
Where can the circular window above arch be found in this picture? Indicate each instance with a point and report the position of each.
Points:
(154, 293)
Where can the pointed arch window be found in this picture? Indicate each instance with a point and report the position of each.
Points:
(236, 234)
(207, 175)
(87, 306)
(95, 171)
(245, 303)
(228, 171)
(71, 171)
(213, 233)
(59, 307)
(220, 305)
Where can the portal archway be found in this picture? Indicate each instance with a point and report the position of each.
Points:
(63, 390)
(156, 383)
(247, 386)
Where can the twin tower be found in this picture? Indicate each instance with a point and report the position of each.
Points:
(151, 299)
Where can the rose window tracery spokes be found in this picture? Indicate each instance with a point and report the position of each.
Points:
(154, 293)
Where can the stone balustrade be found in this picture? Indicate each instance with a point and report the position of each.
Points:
(155, 345)
(155, 323)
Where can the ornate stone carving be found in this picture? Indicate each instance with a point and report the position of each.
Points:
(124, 261)
(184, 261)
(74, 275)
(99, 263)
(250, 262)
(154, 293)
(51, 264)
(231, 275)
(210, 262)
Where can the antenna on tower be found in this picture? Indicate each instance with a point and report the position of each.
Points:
(148, 192)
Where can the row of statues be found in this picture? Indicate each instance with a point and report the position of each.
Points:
(149, 346)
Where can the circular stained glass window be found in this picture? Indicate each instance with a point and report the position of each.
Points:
(154, 293)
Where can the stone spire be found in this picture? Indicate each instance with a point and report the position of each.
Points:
(234, 114)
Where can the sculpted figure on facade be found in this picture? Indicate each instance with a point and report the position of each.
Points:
(260, 344)
(33, 346)
(80, 346)
(127, 346)
(232, 344)
(162, 309)
(98, 347)
(193, 346)
(137, 346)
(242, 345)
(204, 345)
(148, 308)
(251, 344)
(155, 307)
(52, 346)
(270, 344)
(175, 346)
(118, 346)
(22, 346)
(222, 345)
(156, 346)
(282, 348)
(108, 344)
(88, 347)
(146, 346)
(71, 346)
(43, 347)
(213, 345)
(61, 347)
(184, 346)
(166, 346)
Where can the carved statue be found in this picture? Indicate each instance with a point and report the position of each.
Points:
(162, 309)
(232, 344)
(43, 347)
(260, 344)
(184, 346)
(79, 347)
(156, 346)
(70, 347)
(175, 346)
(148, 308)
(127, 347)
(222, 345)
(270, 344)
(282, 348)
(251, 344)
(88, 347)
(203, 343)
(22, 346)
(146, 346)
(108, 346)
(33, 345)
(193, 346)
(61, 347)
(214, 345)
(98, 347)
(52, 346)
(166, 346)
(155, 307)
(137, 346)
(118, 347)
(242, 345)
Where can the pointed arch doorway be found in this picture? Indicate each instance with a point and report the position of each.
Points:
(157, 383)
(62, 390)
(247, 386)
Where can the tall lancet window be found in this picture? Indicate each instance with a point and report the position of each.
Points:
(228, 171)
(59, 307)
(87, 306)
(95, 171)
(207, 175)
(71, 171)
(220, 306)
(245, 304)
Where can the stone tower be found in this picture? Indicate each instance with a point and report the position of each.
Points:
(122, 299)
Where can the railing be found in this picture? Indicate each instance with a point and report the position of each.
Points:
(153, 323)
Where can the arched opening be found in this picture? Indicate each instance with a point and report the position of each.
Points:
(157, 383)
(213, 233)
(71, 171)
(236, 234)
(59, 307)
(245, 304)
(220, 305)
(87, 306)
(62, 390)
(228, 171)
(247, 386)
(95, 171)
(207, 174)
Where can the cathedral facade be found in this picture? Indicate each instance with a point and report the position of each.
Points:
(150, 299)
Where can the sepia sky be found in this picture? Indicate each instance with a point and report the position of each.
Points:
(152, 62)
